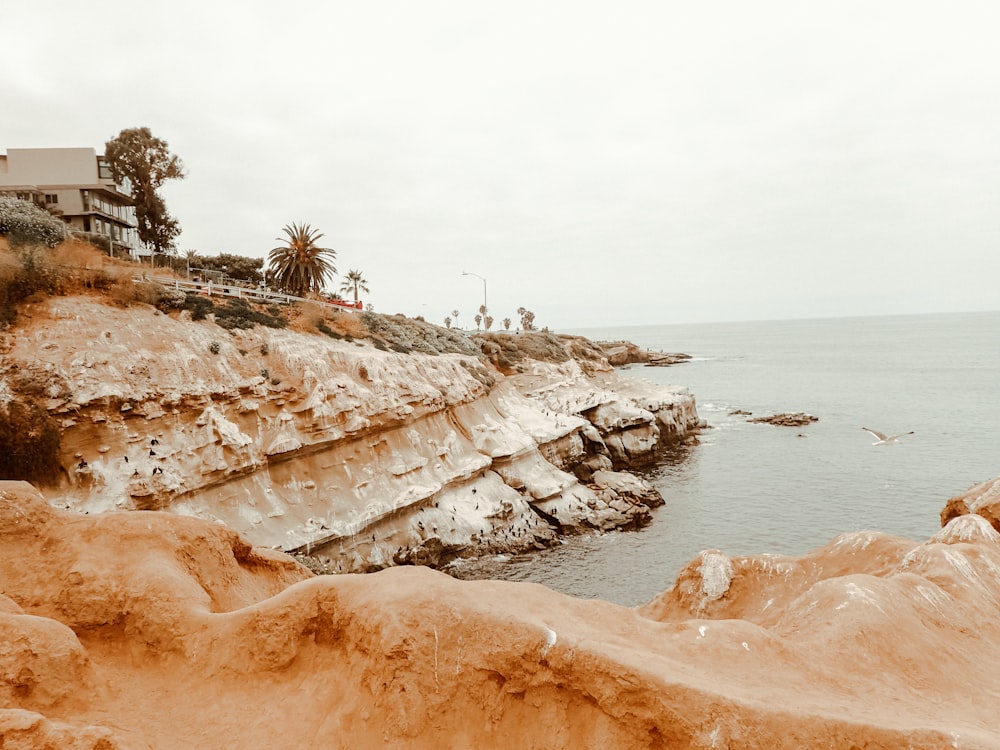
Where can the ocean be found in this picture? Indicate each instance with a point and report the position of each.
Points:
(750, 488)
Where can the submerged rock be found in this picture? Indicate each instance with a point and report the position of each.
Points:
(793, 419)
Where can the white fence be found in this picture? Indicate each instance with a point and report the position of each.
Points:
(253, 294)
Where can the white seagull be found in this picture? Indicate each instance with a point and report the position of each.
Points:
(886, 439)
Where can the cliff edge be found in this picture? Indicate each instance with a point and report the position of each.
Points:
(357, 455)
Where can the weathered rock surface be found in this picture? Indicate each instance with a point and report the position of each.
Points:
(621, 353)
(983, 499)
(364, 458)
(150, 630)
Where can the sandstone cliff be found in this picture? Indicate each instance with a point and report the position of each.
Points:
(150, 630)
(359, 456)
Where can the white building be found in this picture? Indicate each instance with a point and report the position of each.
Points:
(76, 185)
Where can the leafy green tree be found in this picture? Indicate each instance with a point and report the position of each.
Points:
(136, 154)
(301, 265)
(238, 267)
(354, 282)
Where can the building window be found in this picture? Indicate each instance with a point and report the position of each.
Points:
(103, 170)
(51, 198)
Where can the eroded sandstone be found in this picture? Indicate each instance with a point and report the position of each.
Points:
(360, 457)
(151, 630)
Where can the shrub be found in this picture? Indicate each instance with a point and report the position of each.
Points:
(22, 274)
(324, 328)
(214, 347)
(24, 223)
(170, 299)
(29, 443)
(234, 313)
(127, 293)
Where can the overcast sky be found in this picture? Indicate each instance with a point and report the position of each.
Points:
(599, 163)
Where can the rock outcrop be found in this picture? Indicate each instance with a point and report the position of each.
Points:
(982, 499)
(620, 353)
(151, 630)
(360, 457)
(786, 419)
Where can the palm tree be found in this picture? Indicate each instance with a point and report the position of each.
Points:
(447, 322)
(355, 282)
(506, 324)
(300, 265)
(488, 322)
(527, 318)
(478, 319)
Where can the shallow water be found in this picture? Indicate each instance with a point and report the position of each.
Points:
(752, 488)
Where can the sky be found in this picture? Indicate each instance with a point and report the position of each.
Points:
(598, 163)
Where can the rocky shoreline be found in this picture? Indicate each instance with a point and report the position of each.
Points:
(149, 629)
(356, 457)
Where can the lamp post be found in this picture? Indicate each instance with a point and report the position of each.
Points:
(470, 273)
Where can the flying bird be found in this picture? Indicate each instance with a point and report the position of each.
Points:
(886, 439)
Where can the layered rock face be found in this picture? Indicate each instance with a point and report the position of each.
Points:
(363, 458)
(149, 630)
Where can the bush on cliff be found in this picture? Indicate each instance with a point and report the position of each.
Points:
(24, 223)
(23, 273)
(230, 314)
(29, 443)
(69, 268)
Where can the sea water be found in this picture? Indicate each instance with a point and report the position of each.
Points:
(748, 488)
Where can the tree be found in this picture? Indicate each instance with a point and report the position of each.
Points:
(144, 160)
(454, 316)
(488, 322)
(478, 319)
(354, 282)
(238, 267)
(506, 324)
(527, 319)
(447, 322)
(300, 265)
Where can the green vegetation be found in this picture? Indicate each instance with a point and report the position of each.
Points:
(301, 265)
(29, 442)
(146, 161)
(25, 224)
(70, 267)
(234, 267)
(354, 282)
(527, 319)
(229, 314)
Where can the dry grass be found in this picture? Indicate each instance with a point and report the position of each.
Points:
(310, 318)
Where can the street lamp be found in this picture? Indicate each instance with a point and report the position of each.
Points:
(470, 273)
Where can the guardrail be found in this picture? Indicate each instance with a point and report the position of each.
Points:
(211, 289)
